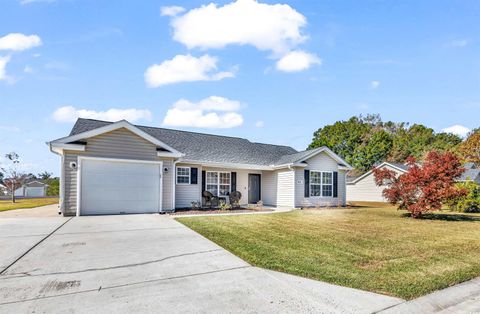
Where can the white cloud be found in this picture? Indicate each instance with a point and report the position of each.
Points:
(259, 124)
(457, 43)
(274, 27)
(71, 114)
(3, 65)
(19, 42)
(212, 112)
(298, 60)
(184, 68)
(171, 11)
(374, 84)
(457, 129)
(28, 69)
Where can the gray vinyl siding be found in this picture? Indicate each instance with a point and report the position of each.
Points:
(320, 162)
(365, 190)
(120, 144)
(185, 194)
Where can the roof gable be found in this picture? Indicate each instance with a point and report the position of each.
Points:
(399, 167)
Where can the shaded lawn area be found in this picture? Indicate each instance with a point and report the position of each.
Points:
(374, 249)
(27, 203)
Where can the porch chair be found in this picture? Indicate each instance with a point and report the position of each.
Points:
(209, 200)
(235, 197)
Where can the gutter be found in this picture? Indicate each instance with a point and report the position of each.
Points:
(62, 176)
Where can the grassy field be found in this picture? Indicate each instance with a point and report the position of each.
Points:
(27, 203)
(375, 249)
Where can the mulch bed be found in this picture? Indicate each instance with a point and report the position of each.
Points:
(219, 211)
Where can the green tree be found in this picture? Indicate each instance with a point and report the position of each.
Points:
(470, 149)
(343, 137)
(53, 186)
(372, 151)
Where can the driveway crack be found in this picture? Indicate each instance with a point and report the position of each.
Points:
(27, 274)
(101, 288)
(30, 249)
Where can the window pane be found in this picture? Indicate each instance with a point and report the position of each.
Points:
(327, 178)
(224, 178)
(212, 189)
(183, 179)
(212, 177)
(327, 190)
(224, 190)
(314, 190)
(314, 177)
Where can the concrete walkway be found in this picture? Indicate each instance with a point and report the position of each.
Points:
(149, 263)
(462, 298)
(42, 211)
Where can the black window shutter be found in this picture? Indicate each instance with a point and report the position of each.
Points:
(307, 182)
(335, 184)
(193, 175)
(234, 181)
(203, 181)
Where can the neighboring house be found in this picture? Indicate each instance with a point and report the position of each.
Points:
(32, 189)
(112, 168)
(3, 190)
(364, 189)
(472, 173)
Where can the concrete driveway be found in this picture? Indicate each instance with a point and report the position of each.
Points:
(148, 263)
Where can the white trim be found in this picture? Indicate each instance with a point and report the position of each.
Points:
(315, 152)
(218, 182)
(111, 127)
(189, 175)
(79, 176)
(168, 154)
(321, 183)
(227, 165)
(377, 167)
(59, 147)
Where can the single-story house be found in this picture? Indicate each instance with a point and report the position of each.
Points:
(118, 167)
(364, 189)
(472, 173)
(32, 189)
(3, 190)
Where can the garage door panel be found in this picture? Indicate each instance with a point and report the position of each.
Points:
(112, 187)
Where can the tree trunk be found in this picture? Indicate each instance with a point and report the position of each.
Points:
(13, 196)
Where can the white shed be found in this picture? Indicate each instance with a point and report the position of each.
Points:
(32, 189)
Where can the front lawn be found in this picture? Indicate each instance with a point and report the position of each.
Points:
(27, 203)
(375, 249)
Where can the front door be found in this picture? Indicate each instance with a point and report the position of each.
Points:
(254, 190)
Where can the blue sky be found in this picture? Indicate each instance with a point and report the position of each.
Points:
(266, 72)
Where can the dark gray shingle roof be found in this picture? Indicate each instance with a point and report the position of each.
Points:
(206, 147)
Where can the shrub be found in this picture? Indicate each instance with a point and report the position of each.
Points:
(423, 188)
(225, 206)
(468, 203)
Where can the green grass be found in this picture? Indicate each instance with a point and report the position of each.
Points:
(27, 203)
(374, 249)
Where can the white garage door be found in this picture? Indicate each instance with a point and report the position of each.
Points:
(35, 191)
(117, 187)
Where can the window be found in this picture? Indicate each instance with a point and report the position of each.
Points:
(327, 184)
(218, 183)
(183, 175)
(321, 183)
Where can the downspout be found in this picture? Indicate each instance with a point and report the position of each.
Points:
(174, 178)
(62, 175)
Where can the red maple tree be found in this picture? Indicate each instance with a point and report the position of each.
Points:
(423, 188)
